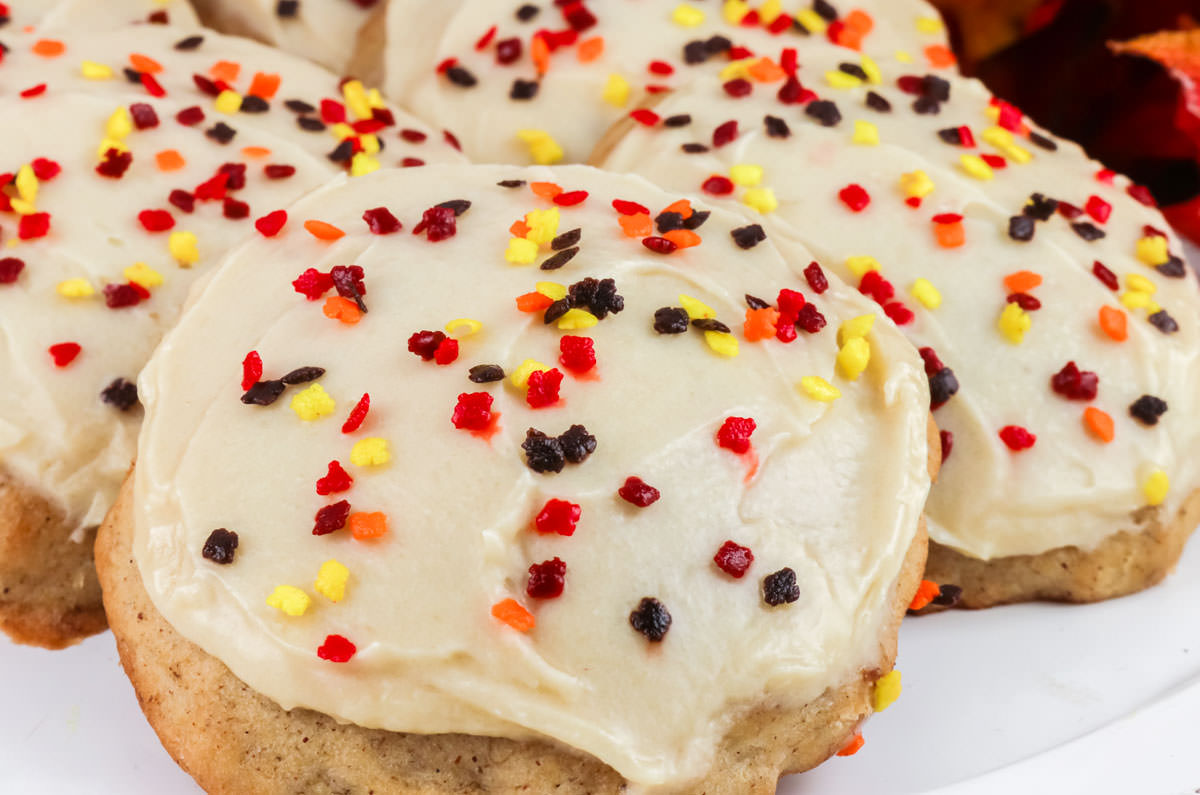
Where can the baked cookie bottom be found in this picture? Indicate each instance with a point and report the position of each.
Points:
(231, 739)
(1125, 562)
(49, 593)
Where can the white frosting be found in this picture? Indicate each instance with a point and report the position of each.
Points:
(56, 433)
(569, 104)
(1069, 489)
(836, 496)
(45, 16)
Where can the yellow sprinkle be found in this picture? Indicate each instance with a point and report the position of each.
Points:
(370, 452)
(916, 184)
(735, 10)
(872, 69)
(866, 133)
(331, 580)
(761, 199)
(228, 102)
(342, 131)
(27, 184)
(543, 148)
(552, 290)
(184, 248)
(697, 310)
(1018, 154)
(860, 265)
(110, 143)
(520, 377)
(746, 174)
(370, 143)
(362, 164)
(375, 99)
(887, 690)
(739, 68)
(616, 91)
(143, 274)
(289, 599)
(119, 124)
(855, 328)
(1152, 250)
(75, 288)
(1155, 487)
(356, 99)
(95, 71)
(839, 79)
(924, 291)
(577, 319)
(930, 25)
(521, 251)
(312, 403)
(687, 16)
(903, 56)
(818, 388)
(811, 20)
(1136, 281)
(976, 167)
(997, 137)
(1013, 323)
(22, 207)
(1152, 307)
(853, 358)
(463, 327)
(769, 11)
(543, 225)
(721, 343)
(1136, 299)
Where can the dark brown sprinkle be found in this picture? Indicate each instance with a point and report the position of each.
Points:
(748, 236)
(556, 261)
(598, 296)
(459, 206)
(824, 111)
(694, 149)
(718, 44)
(220, 546)
(120, 394)
(302, 375)
(523, 89)
(567, 239)
(190, 43)
(776, 127)
(264, 393)
(287, 8)
(1088, 231)
(1173, 268)
(948, 596)
(1040, 208)
(1163, 322)
(936, 88)
(854, 70)
(671, 320)
(755, 303)
(824, 10)
(221, 132)
(651, 619)
(780, 588)
(460, 77)
(543, 453)
(133, 76)
(927, 106)
(527, 12)
(678, 120)
(696, 219)
(1147, 409)
(577, 444)
(668, 222)
(1021, 227)
(298, 106)
(694, 52)
(1047, 143)
(943, 385)
(485, 373)
(951, 135)
(710, 324)
(254, 104)
(511, 183)
(878, 102)
(342, 152)
(310, 124)
(556, 310)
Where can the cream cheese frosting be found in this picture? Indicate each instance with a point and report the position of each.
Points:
(50, 15)
(830, 488)
(474, 64)
(72, 283)
(883, 188)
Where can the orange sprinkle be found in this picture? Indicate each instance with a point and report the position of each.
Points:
(683, 238)
(764, 70)
(636, 225)
(49, 48)
(852, 745)
(264, 85)
(590, 49)
(940, 56)
(539, 51)
(1099, 423)
(519, 228)
(227, 71)
(1112, 322)
(1022, 281)
(144, 63)
(533, 302)
(169, 160)
(760, 324)
(512, 613)
(950, 235)
(343, 309)
(850, 39)
(859, 21)
(545, 190)
(366, 526)
(323, 231)
(682, 206)
(927, 591)
(256, 151)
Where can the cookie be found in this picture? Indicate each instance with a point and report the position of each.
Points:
(48, 16)
(525, 454)
(1056, 316)
(129, 172)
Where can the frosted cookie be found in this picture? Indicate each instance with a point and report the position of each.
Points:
(546, 469)
(325, 31)
(541, 82)
(133, 160)
(1058, 321)
(19, 16)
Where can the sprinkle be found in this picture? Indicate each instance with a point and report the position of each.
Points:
(510, 612)
(865, 133)
(336, 649)
(651, 619)
(367, 526)
(855, 197)
(761, 199)
(271, 223)
(1113, 323)
(357, 414)
(220, 546)
(734, 434)
(75, 288)
(887, 690)
(853, 358)
(312, 403)
(341, 309)
(976, 167)
(861, 265)
(780, 588)
(1013, 323)
(1148, 409)
(926, 592)
(1022, 281)
(156, 220)
(1153, 250)
(1155, 487)
(855, 328)
(1017, 438)
(853, 745)
(184, 247)
(819, 389)
(687, 16)
(289, 599)
(335, 480)
(543, 148)
(331, 580)
(370, 452)
(916, 184)
(323, 231)
(546, 579)
(1099, 423)
(143, 274)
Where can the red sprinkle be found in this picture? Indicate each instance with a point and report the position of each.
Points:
(313, 284)
(381, 221)
(725, 133)
(1106, 277)
(546, 579)
(647, 118)
(855, 197)
(717, 185)
(10, 269)
(357, 414)
(738, 87)
(425, 344)
(473, 412)
(790, 303)
(1017, 438)
(735, 434)
(543, 388)
(628, 207)
(816, 278)
(1075, 384)
(151, 85)
(156, 220)
(1142, 194)
(947, 440)
(336, 480)
(638, 492)
(661, 68)
(331, 518)
(34, 91)
(734, 559)
(118, 296)
(446, 352)
(486, 38)
(1029, 303)
(336, 649)
(64, 353)
(1098, 209)
(577, 354)
(252, 370)
(45, 169)
(271, 224)
(33, 226)
(900, 314)
(570, 198)
(438, 223)
(558, 516)
(659, 245)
